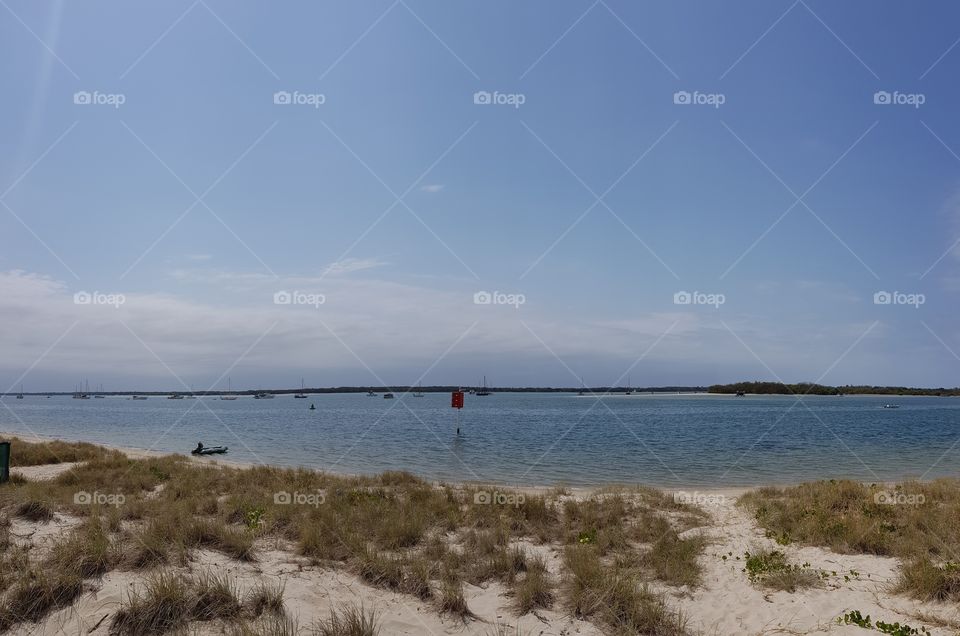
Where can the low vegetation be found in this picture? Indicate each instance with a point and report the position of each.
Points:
(54, 452)
(393, 530)
(771, 569)
(916, 522)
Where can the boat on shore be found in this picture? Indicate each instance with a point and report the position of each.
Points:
(209, 450)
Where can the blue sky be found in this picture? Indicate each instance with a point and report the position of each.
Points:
(597, 199)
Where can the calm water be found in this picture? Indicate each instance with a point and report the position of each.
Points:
(664, 440)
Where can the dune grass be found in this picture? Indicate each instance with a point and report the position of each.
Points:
(349, 620)
(53, 452)
(916, 522)
(394, 531)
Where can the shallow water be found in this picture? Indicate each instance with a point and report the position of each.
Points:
(536, 438)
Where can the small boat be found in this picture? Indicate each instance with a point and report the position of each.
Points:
(208, 450)
(891, 406)
(370, 393)
(418, 392)
(388, 396)
(263, 395)
(740, 393)
(628, 390)
(20, 394)
(301, 395)
(228, 397)
(139, 397)
(313, 408)
(483, 390)
(175, 396)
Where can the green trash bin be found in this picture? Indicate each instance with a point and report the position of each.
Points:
(4, 462)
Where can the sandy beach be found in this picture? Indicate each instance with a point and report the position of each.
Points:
(724, 602)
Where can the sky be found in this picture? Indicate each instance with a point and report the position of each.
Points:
(392, 192)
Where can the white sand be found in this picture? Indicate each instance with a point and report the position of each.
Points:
(726, 603)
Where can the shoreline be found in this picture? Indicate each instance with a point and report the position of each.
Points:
(733, 492)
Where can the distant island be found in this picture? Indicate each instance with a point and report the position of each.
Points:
(810, 388)
(755, 387)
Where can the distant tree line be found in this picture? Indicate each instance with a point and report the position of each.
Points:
(810, 388)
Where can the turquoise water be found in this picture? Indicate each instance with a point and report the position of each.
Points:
(536, 438)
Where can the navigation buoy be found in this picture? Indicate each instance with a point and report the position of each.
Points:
(313, 408)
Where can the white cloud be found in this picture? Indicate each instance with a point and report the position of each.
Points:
(432, 188)
(348, 265)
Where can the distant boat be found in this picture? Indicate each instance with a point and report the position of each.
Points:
(313, 408)
(388, 396)
(582, 388)
(370, 393)
(139, 397)
(228, 397)
(483, 390)
(20, 394)
(263, 395)
(628, 390)
(301, 395)
(80, 394)
(418, 392)
(740, 393)
(99, 394)
(891, 406)
(175, 396)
